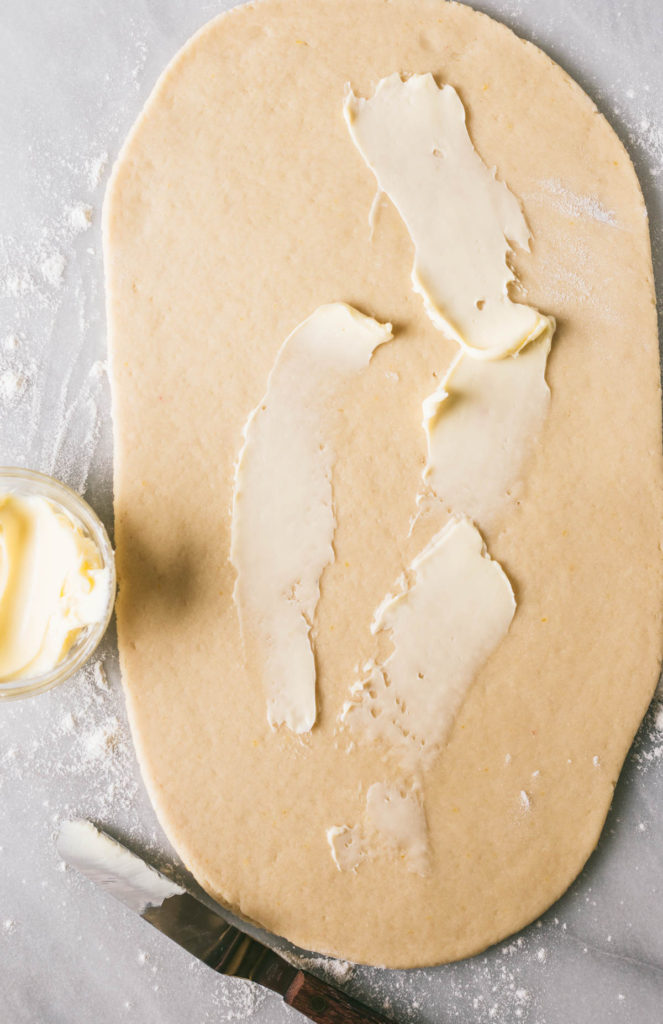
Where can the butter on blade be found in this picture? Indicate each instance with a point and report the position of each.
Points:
(52, 584)
(120, 871)
(481, 424)
(283, 517)
(413, 136)
(443, 625)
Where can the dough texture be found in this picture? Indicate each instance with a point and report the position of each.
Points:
(239, 205)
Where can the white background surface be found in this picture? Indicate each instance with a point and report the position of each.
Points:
(73, 76)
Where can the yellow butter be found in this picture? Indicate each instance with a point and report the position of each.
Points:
(52, 584)
(461, 218)
(283, 518)
(447, 614)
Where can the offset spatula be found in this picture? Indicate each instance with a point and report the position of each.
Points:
(201, 931)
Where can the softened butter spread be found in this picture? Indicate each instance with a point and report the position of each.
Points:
(283, 517)
(52, 584)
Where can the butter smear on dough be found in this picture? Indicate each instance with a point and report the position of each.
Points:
(480, 424)
(413, 136)
(394, 824)
(443, 626)
(283, 517)
(52, 585)
(454, 604)
(483, 420)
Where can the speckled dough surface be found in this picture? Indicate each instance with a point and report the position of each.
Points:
(239, 204)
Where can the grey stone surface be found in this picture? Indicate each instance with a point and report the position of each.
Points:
(73, 77)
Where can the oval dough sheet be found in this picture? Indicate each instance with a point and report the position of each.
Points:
(238, 206)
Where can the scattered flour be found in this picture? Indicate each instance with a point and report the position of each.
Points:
(67, 723)
(498, 987)
(572, 204)
(658, 717)
(52, 312)
(98, 369)
(229, 998)
(80, 217)
(101, 741)
(648, 745)
(96, 168)
(142, 51)
(17, 283)
(86, 740)
(13, 384)
(570, 280)
(100, 677)
(335, 971)
(525, 801)
(52, 269)
(74, 444)
(649, 134)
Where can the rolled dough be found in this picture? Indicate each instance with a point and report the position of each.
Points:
(238, 205)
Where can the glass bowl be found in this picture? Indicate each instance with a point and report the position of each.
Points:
(28, 482)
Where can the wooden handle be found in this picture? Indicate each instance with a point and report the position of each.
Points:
(327, 1005)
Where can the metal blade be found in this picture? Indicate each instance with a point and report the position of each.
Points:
(170, 908)
(113, 867)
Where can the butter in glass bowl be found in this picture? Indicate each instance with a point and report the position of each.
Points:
(57, 582)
